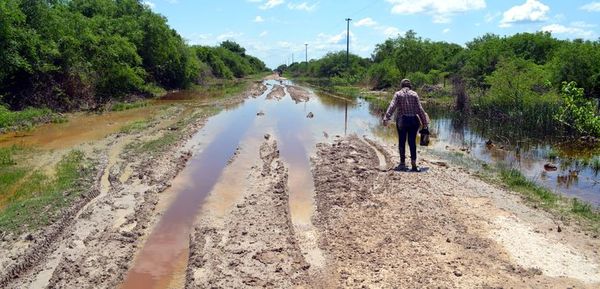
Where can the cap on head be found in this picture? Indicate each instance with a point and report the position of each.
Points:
(405, 83)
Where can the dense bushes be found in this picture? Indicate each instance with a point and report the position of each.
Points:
(333, 65)
(81, 53)
(229, 60)
(577, 112)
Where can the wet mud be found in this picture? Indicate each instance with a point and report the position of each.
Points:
(253, 245)
(277, 93)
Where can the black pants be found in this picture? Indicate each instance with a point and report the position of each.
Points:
(408, 126)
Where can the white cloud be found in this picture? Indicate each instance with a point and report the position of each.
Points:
(591, 7)
(264, 33)
(259, 19)
(571, 30)
(368, 22)
(271, 4)
(582, 24)
(530, 11)
(229, 35)
(390, 31)
(442, 10)
(149, 4)
(446, 30)
(302, 6)
(339, 38)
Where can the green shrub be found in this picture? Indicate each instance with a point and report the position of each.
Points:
(384, 75)
(578, 112)
(25, 118)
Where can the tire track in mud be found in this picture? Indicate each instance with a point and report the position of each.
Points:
(253, 245)
(257, 220)
(37, 252)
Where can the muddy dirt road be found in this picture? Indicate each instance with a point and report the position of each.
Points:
(263, 196)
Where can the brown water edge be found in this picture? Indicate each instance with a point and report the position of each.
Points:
(80, 128)
(168, 242)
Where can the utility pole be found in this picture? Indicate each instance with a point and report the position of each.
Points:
(306, 55)
(348, 44)
(292, 58)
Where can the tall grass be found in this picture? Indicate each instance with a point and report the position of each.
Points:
(27, 118)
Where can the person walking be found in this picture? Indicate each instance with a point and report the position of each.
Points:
(410, 115)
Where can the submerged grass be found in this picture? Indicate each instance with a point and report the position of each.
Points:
(35, 199)
(535, 194)
(135, 126)
(518, 182)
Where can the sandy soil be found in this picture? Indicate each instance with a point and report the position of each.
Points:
(441, 228)
(376, 227)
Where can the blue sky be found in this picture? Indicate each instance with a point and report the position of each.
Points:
(273, 30)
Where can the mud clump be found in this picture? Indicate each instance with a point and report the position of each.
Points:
(278, 92)
(298, 94)
(258, 89)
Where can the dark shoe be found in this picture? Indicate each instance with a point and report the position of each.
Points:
(415, 168)
(401, 168)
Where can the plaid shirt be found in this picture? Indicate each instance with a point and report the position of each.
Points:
(406, 102)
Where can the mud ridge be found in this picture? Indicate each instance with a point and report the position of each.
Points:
(253, 245)
(152, 177)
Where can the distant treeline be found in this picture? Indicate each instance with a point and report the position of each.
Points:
(71, 54)
(515, 78)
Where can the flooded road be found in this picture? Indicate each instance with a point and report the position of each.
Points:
(220, 201)
(161, 260)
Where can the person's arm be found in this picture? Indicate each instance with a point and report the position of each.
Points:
(391, 108)
(421, 112)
